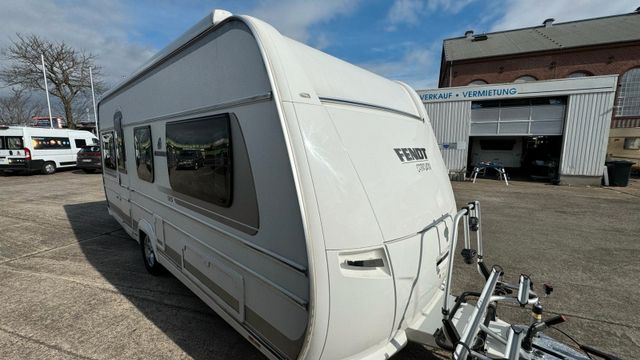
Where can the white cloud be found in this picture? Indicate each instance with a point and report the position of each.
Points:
(294, 18)
(410, 12)
(524, 13)
(94, 26)
(418, 66)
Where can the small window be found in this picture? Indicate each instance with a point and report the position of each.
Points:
(121, 155)
(525, 78)
(578, 74)
(50, 143)
(12, 143)
(629, 94)
(199, 158)
(632, 143)
(477, 82)
(144, 153)
(108, 150)
(79, 143)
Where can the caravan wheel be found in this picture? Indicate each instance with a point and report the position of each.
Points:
(149, 256)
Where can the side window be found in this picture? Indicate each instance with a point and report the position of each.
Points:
(120, 152)
(79, 143)
(50, 143)
(144, 152)
(199, 158)
(108, 150)
(13, 143)
(632, 143)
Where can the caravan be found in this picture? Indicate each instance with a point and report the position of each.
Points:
(302, 198)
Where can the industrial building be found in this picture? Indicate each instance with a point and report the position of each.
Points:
(540, 100)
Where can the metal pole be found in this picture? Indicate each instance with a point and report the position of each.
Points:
(93, 95)
(46, 90)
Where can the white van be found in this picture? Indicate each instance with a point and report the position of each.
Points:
(32, 149)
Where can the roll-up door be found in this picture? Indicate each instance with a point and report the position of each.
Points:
(520, 117)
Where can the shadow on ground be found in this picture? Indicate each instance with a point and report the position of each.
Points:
(163, 300)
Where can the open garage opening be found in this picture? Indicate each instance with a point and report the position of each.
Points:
(523, 136)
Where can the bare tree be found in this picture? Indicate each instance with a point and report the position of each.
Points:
(67, 69)
(18, 108)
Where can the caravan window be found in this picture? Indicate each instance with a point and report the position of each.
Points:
(11, 143)
(80, 143)
(121, 155)
(50, 143)
(144, 153)
(108, 150)
(199, 158)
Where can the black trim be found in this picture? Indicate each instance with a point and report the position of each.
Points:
(67, 163)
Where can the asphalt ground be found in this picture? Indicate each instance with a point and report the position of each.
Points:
(72, 283)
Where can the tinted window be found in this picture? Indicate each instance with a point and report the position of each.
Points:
(199, 158)
(144, 153)
(11, 143)
(632, 143)
(86, 149)
(109, 152)
(120, 153)
(50, 143)
(79, 142)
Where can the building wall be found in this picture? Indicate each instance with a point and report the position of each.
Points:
(450, 121)
(596, 60)
(585, 134)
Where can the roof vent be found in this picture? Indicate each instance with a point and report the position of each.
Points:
(468, 34)
(480, 37)
(548, 22)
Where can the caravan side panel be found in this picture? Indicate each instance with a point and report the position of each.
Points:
(247, 257)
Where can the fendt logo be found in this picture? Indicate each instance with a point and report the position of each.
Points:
(411, 154)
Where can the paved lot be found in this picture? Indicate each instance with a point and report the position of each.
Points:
(72, 284)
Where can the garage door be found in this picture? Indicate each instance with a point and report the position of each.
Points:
(524, 117)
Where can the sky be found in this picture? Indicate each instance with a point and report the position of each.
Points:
(398, 39)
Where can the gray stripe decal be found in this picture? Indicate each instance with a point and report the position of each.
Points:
(290, 348)
(173, 255)
(124, 217)
(210, 214)
(224, 295)
(371, 106)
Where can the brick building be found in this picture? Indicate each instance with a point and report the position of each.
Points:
(600, 46)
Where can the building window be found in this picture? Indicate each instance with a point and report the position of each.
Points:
(578, 74)
(525, 78)
(629, 95)
(108, 150)
(477, 82)
(199, 158)
(79, 143)
(50, 143)
(632, 143)
(144, 152)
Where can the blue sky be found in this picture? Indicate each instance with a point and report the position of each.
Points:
(399, 39)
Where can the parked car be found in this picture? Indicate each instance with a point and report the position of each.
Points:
(190, 159)
(90, 158)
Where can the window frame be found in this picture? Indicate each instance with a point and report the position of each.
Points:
(138, 150)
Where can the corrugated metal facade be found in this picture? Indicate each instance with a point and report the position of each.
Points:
(450, 121)
(586, 133)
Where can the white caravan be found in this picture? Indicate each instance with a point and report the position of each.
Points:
(32, 149)
(302, 198)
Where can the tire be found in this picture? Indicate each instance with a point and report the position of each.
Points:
(149, 256)
(49, 168)
(88, 171)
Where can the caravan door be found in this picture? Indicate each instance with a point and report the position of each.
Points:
(115, 166)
